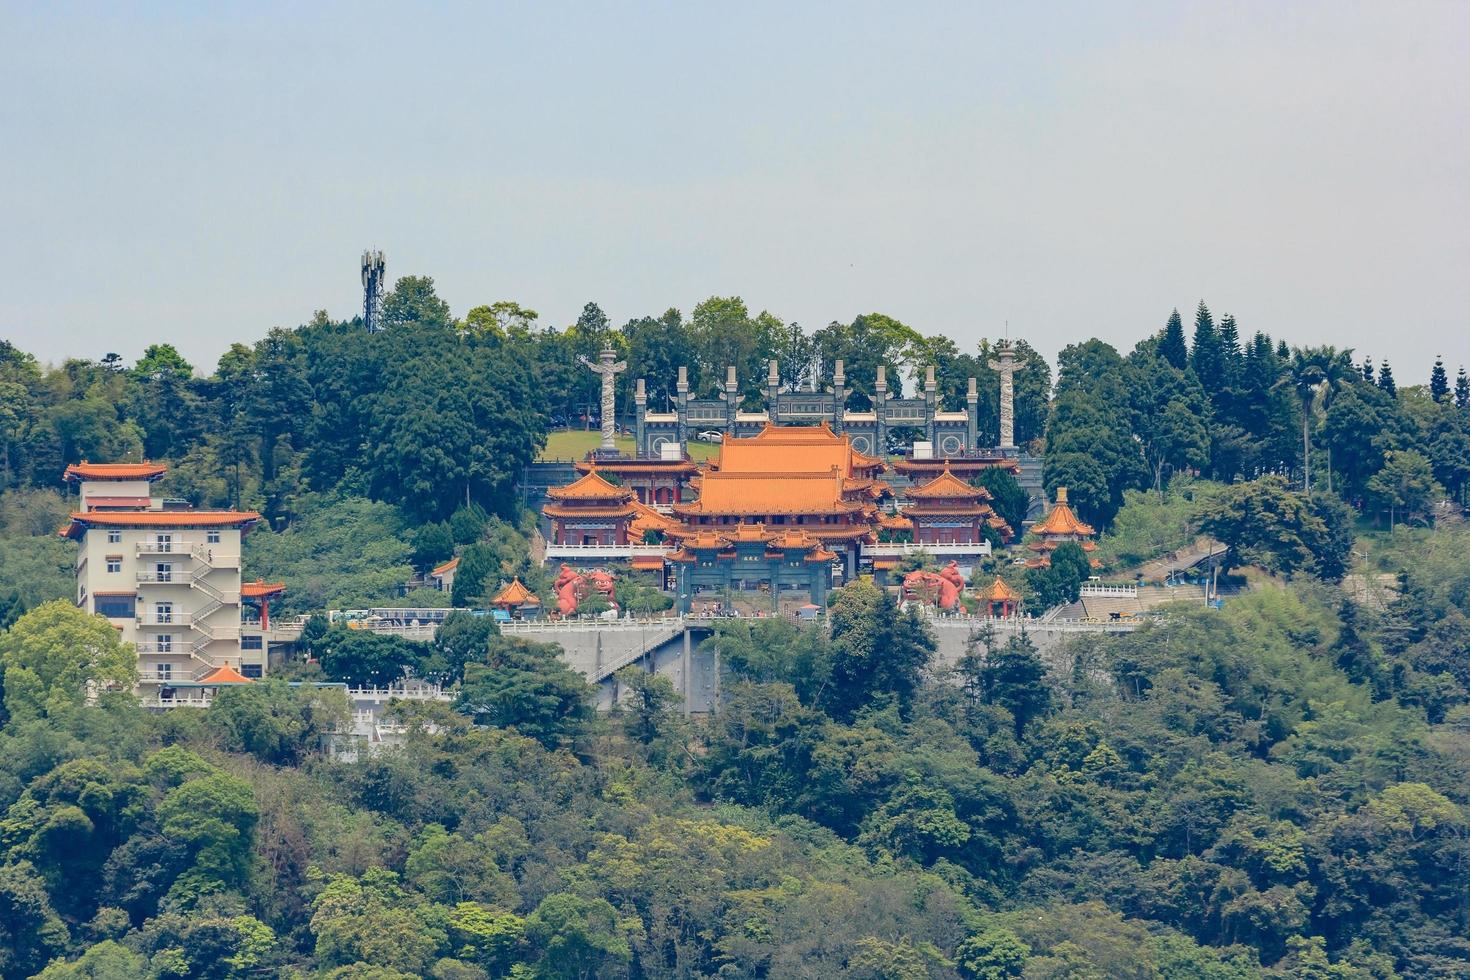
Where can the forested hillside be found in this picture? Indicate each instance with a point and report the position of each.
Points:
(1277, 788)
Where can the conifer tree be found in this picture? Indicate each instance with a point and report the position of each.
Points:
(1385, 379)
(1283, 351)
(1462, 390)
(1171, 346)
(1368, 370)
(1206, 357)
(1439, 382)
(1230, 347)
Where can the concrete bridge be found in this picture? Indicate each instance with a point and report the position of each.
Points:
(674, 647)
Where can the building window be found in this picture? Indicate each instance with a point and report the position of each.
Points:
(164, 612)
(165, 643)
(114, 563)
(211, 537)
(252, 671)
(251, 643)
(165, 671)
(114, 537)
(115, 606)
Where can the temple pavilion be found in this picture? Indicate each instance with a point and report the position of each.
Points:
(591, 511)
(947, 510)
(999, 599)
(515, 601)
(1060, 526)
(654, 481)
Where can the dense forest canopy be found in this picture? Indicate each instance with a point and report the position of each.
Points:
(1277, 788)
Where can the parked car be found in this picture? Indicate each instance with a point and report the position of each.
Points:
(708, 435)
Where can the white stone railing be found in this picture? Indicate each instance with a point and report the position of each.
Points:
(554, 551)
(1117, 591)
(899, 550)
(587, 625)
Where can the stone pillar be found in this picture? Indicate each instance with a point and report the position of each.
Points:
(972, 420)
(640, 408)
(773, 390)
(681, 402)
(1005, 364)
(880, 413)
(608, 366)
(839, 394)
(732, 400)
(931, 404)
(687, 667)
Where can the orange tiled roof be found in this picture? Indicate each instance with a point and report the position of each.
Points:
(779, 450)
(260, 589)
(225, 675)
(646, 563)
(648, 519)
(1061, 519)
(590, 487)
(998, 591)
(794, 539)
(557, 510)
(895, 522)
(770, 493)
(515, 594)
(961, 464)
(949, 487)
(670, 466)
(448, 566)
(81, 520)
(114, 471)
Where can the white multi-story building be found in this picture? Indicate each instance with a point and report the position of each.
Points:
(168, 577)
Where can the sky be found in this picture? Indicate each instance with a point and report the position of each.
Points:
(199, 173)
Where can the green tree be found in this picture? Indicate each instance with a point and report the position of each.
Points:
(1013, 677)
(1171, 343)
(56, 656)
(525, 686)
(1405, 486)
(1313, 374)
(878, 653)
(576, 937)
(30, 930)
(993, 954)
(413, 300)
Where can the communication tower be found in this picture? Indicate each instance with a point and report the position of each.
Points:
(374, 270)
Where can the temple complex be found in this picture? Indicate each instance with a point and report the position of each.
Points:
(1060, 526)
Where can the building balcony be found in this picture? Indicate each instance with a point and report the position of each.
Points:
(165, 578)
(173, 546)
(178, 620)
(153, 647)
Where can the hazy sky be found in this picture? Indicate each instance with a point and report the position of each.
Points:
(198, 173)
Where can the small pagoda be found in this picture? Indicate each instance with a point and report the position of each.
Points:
(947, 510)
(515, 601)
(1060, 526)
(1000, 599)
(590, 511)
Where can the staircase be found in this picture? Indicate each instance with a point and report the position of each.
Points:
(658, 639)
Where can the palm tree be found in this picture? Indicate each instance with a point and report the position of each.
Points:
(1314, 373)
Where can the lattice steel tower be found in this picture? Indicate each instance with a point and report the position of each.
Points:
(374, 270)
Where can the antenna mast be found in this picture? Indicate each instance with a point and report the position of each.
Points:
(374, 269)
